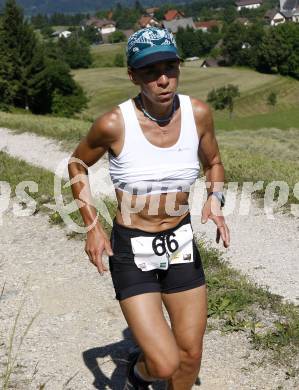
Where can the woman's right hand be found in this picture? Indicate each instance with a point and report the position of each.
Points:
(96, 243)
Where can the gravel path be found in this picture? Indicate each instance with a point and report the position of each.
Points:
(49, 154)
(79, 339)
(266, 250)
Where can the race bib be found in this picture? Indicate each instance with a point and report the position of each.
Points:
(164, 249)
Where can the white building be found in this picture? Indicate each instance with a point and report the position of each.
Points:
(173, 25)
(248, 4)
(274, 17)
(295, 17)
(62, 34)
(289, 5)
(103, 26)
(290, 10)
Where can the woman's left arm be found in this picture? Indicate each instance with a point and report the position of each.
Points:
(209, 155)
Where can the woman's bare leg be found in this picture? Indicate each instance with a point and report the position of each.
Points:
(188, 314)
(145, 318)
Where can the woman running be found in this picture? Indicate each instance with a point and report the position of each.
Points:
(155, 142)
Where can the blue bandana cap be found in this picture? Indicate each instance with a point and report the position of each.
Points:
(150, 45)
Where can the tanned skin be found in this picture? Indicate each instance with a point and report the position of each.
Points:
(158, 84)
(107, 132)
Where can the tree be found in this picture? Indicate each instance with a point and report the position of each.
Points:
(195, 43)
(117, 36)
(39, 21)
(279, 50)
(39, 86)
(224, 97)
(55, 91)
(47, 31)
(206, 13)
(75, 52)
(126, 18)
(253, 37)
(160, 12)
(18, 45)
(90, 34)
(139, 7)
(230, 14)
(6, 75)
(28, 78)
(272, 99)
(232, 43)
(119, 60)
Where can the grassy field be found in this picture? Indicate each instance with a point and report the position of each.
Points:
(108, 86)
(255, 87)
(105, 87)
(265, 154)
(103, 55)
(255, 146)
(252, 155)
(279, 119)
(14, 171)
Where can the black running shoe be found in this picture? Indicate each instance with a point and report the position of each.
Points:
(132, 382)
(198, 382)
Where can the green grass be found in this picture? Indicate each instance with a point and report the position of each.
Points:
(14, 171)
(271, 142)
(266, 154)
(61, 27)
(106, 87)
(198, 82)
(248, 155)
(279, 119)
(240, 305)
(259, 146)
(103, 55)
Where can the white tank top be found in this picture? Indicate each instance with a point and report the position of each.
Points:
(143, 168)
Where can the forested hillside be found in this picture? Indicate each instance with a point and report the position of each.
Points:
(73, 6)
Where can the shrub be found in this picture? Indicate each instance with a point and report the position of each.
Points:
(119, 60)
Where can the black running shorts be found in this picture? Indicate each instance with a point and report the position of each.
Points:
(129, 280)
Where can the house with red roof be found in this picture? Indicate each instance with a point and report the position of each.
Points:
(104, 26)
(173, 14)
(151, 11)
(206, 26)
(148, 21)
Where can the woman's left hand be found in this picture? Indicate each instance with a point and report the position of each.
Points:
(212, 210)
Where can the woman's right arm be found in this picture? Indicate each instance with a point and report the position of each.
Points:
(101, 136)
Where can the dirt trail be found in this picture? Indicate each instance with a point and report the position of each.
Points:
(79, 339)
(266, 250)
